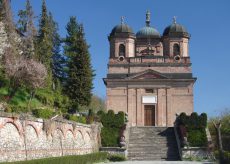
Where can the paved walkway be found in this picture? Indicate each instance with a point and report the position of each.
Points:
(157, 162)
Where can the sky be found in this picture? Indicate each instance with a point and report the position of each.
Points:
(208, 22)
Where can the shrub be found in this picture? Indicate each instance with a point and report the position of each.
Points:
(109, 137)
(197, 138)
(112, 120)
(226, 156)
(80, 119)
(43, 113)
(112, 123)
(19, 109)
(115, 158)
(182, 119)
(46, 96)
(75, 159)
(203, 119)
(195, 126)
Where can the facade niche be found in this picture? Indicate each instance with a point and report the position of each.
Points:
(176, 49)
(121, 50)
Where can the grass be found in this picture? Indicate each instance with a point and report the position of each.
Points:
(77, 159)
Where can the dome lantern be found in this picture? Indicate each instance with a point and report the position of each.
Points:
(148, 31)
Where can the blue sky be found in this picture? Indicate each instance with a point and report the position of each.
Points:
(208, 22)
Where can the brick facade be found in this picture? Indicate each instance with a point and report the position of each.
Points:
(155, 67)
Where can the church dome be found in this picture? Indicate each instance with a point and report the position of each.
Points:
(148, 32)
(121, 28)
(176, 30)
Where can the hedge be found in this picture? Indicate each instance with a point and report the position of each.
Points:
(109, 137)
(115, 158)
(195, 126)
(77, 159)
(112, 124)
(226, 156)
(197, 138)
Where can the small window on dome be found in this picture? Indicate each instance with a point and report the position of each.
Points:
(176, 50)
(121, 50)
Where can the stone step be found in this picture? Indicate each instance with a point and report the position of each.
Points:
(165, 155)
(148, 140)
(152, 143)
(155, 148)
(153, 159)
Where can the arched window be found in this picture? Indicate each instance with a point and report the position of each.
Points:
(122, 50)
(176, 50)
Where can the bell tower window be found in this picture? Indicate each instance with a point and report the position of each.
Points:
(176, 50)
(121, 50)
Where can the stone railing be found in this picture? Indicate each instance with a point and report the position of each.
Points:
(188, 152)
(25, 138)
(150, 59)
(178, 140)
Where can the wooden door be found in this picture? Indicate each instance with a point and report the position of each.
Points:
(149, 115)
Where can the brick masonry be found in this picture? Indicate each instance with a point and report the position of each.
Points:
(161, 63)
(26, 139)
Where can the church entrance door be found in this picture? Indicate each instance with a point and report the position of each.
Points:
(149, 115)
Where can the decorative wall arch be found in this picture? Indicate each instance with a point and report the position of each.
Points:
(71, 130)
(79, 139)
(87, 132)
(35, 128)
(16, 124)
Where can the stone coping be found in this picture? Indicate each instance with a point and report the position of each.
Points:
(195, 148)
(31, 118)
(112, 148)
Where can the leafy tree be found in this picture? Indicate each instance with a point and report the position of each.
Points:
(80, 72)
(26, 27)
(97, 104)
(23, 72)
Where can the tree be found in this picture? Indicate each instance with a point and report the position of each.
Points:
(23, 72)
(6, 15)
(80, 73)
(97, 104)
(7, 19)
(11, 39)
(44, 44)
(58, 60)
(26, 27)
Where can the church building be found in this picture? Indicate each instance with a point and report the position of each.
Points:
(149, 75)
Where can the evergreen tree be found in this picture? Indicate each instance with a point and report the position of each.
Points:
(26, 27)
(80, 73)
(44, 44)
(58, 60)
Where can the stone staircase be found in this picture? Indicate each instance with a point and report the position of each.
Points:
(152, 143)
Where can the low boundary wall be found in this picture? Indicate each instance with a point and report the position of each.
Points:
(24, 138)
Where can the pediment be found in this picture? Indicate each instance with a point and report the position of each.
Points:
(148, 74)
